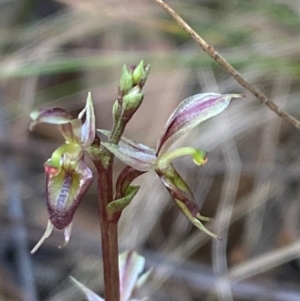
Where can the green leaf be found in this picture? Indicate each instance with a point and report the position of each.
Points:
(120, 204)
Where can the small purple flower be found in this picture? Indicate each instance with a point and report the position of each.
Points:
(190, 112)
(67, 175)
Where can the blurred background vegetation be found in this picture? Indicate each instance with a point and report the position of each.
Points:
(54, 52)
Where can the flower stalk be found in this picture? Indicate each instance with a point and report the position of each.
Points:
(128, 101)
(108, 226)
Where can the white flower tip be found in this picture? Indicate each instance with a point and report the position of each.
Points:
(237, 95)
(67, 234)
(44, 237)
(89, 103)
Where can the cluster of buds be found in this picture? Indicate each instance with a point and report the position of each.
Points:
(130, 95)
(68, 176)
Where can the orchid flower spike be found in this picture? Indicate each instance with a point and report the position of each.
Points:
(67, 175)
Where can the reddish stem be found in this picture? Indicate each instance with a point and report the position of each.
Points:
(109, 227)
(109, 236)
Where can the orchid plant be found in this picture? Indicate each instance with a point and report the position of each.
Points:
(68, 176)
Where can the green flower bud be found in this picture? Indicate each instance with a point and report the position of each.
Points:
(126, 82)
(145, 75)
(132, 101)
(138, 73)
(115, 111)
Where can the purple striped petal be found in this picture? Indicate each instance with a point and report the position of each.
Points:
(190, 113)
(64, 192)
(130, 144)
(52, 116)
(139, 160)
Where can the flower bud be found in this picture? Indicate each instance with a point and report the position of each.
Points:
(116, 111)
(126, 82)
(133, 99)
(145, 75)
(138, 72)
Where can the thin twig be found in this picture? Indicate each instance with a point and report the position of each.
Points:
(233, 72)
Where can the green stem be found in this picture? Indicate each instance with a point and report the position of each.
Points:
(109, 228)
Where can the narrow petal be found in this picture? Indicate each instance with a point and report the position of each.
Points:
(196, 222)
(139, 160)
(191, 112)
(130, 144)
(52, 116)
(90, 295)
(88, 129)
(65, 191)
(68, 126)
(131, 264)
(67, 235)
(47, 233)
(183, 197)
(173, 176)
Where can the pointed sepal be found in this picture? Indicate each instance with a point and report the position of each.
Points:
(47, 233)
(130, 144)
(183, 197)
(194, 220)
(191, 112)
(88, 128)
(138, 159)
(55, 116)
